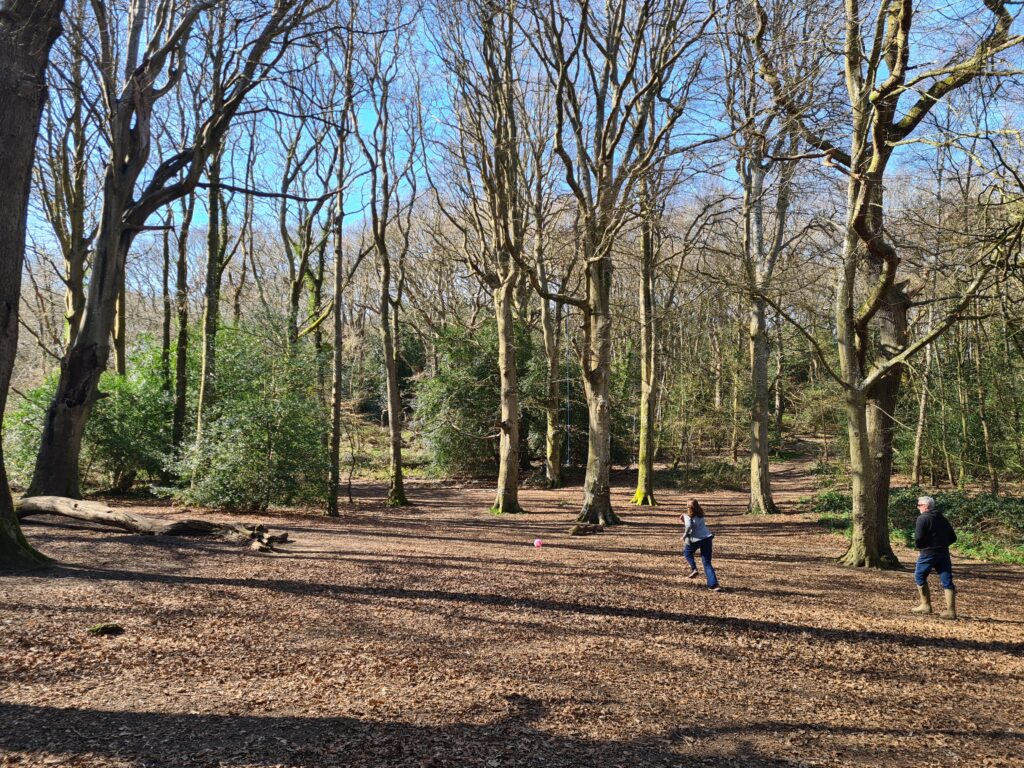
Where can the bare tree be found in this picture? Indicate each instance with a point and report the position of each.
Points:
(342, 70)
(611, 68)
(889, 95)
(155, 54)
(387, 132)
(765, 146)
(479, 43)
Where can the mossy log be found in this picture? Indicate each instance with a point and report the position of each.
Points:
(95, 512)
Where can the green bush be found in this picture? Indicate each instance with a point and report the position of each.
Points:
(264, 440)
(458, 408)
(129, 432)
(127, 435)
(23, 429)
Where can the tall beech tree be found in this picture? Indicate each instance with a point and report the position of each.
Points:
(27, 33)
(155, 54)
(386, 130)
(764, 145)
(889, 95)
(479, 43)
(610, 68)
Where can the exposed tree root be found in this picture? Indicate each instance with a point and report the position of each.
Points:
(859, 557)
(598, 514)
(261, 540)
(397, 498)
(507, 508)
(763, 507)
(643, 499)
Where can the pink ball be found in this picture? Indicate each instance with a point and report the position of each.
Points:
(538, 543)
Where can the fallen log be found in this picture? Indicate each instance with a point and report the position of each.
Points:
(96, 512)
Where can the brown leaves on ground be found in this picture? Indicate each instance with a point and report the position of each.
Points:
(440, 636)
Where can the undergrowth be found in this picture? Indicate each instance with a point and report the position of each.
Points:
(987, 527)
(712, 475)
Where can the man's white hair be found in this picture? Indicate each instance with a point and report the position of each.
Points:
(927, 500)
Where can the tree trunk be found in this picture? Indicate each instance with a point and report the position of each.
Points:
(761, 502)
(862, 550)
(553, 434)
(121, 329)
(56, 470)
(780, 402)
(211, 304)
(870, 429)
(986, 436)
(181, 347)
(922, 410)
(166, 307)
(95, 512)
(644, 494)
(337, 334)
(388, 330)
(27, 32)
(597, 496)
(507, 497)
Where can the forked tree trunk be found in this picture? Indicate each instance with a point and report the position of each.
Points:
(871, 429)
(56, 469)
(761, 502)
(507, 497)
(27, 32)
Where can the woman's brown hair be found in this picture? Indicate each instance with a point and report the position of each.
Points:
(693, 508)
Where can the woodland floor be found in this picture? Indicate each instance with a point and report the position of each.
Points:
(440, 636)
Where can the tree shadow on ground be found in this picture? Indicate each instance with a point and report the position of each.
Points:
(718, 623)
(172, 740)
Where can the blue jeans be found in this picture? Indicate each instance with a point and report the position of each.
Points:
(937, 561)
(704, 547)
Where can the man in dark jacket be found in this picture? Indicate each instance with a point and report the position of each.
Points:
(932, 535)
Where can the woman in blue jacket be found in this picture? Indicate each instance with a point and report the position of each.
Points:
(697, 538)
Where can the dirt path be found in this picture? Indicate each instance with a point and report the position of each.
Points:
(440, 636)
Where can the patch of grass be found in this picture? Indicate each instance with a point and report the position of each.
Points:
(785, 454)
(987, 527)
(712, 475)
(827, 469)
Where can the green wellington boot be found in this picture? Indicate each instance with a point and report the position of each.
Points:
(926, 600)
(950, 612)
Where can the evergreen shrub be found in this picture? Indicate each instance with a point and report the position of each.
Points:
(264, 438)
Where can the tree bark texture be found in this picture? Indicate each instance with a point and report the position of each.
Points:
(597, 497)
(761, 502)
(181, 307)
(506, 500)
(211, 303)
(388, 330)
(27, 32)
